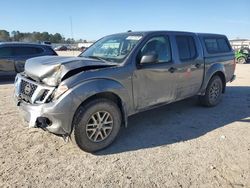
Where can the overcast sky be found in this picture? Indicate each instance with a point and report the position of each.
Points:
(96, 18)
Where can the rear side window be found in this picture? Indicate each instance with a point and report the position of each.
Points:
(186, 47)
(223, 45)
(50, 51)
(217, 45)
(6, 51)
(25, 50)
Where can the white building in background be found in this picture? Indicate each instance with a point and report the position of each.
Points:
(239, 43)
(84, 44)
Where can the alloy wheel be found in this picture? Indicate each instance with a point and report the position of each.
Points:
(99, 126)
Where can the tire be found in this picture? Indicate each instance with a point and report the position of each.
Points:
(241, 60)
(213, 92)
(92, 127)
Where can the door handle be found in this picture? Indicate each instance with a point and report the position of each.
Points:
(172, 69)
(198, 65)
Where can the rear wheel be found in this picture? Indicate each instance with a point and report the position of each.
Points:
(213, 92)
(96, 125)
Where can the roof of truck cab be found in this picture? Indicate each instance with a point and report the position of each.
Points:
(22, 44)
(150, 32)
(170, 32)
(210, 35)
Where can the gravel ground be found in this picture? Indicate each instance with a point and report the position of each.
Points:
(178, 145)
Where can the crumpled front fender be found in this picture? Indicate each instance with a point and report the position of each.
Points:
(96, 86)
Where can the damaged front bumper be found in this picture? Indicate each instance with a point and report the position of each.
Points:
(55, 116)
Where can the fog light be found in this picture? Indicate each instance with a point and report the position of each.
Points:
(43, 122)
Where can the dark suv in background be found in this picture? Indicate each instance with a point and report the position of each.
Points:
(14, 54)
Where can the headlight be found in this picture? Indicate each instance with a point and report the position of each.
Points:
(60, 90)
(53, 80)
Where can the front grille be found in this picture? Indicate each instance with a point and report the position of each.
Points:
(32, 92)
(27, 89)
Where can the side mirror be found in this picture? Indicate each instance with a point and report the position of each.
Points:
(150, 58)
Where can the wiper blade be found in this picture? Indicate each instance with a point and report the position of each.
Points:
(96, 57)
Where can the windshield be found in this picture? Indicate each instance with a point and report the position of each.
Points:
(113, 48)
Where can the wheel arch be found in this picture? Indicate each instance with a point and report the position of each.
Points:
(104, 88)
(216, 69)
(112, 97)
(223, 79)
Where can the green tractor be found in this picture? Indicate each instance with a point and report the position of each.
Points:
(242, 55)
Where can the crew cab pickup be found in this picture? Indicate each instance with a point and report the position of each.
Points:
(89, 97)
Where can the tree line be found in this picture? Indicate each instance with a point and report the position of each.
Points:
(34, 37)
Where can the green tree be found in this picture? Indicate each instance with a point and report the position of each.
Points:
(70, 41)
(45, 36)
(56, 38)
(4, 35)
(35, 37)
(17, 35)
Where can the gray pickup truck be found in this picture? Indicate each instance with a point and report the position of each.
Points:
(89, 97)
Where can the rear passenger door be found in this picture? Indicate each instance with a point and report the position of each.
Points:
(192, 65)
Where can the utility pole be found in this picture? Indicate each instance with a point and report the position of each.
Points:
(71, 30)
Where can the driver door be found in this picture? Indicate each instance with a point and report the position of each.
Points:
(155, 82)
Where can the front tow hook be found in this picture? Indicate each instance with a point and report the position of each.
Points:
(18, 103)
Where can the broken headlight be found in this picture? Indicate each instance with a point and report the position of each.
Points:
(60, 90)
(54, 78)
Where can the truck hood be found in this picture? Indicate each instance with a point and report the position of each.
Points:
(56, 68)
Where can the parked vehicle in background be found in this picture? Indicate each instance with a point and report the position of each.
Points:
(13, 55)
(61, 48)
(88, 98)
(46, 43)
(82, 49)
(242, 55)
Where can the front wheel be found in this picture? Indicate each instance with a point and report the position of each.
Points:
(213, 92)
(96, 125)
